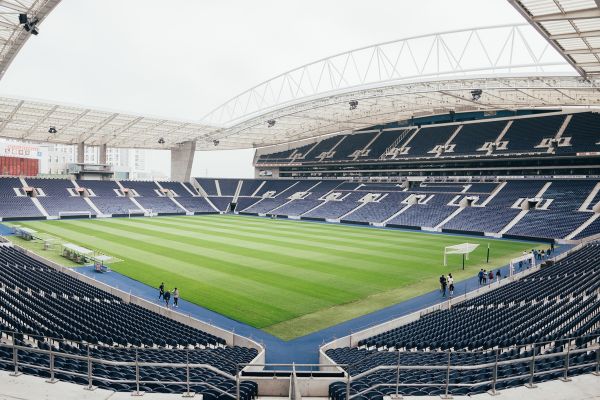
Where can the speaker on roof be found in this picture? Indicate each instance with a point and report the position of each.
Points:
(23, 19)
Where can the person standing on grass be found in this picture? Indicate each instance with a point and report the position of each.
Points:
(167, 297)
(161, 290)
(450, 284)
(175, 297)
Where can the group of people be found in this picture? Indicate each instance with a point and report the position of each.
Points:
(542, 254)
(486, 277)
(447, 285)
(166, 295)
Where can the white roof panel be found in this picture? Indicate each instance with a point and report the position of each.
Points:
(571, 26)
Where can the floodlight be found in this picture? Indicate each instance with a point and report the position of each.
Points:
(476, 94)
(271, 123)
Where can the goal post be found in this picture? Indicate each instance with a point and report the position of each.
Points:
(464, 248)
(87, 214)
(135, 211)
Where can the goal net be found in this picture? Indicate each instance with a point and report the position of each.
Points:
(464, 248)
(87, 214)
(136, 212)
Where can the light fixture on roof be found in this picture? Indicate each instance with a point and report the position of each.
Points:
(216, 142)
(52, 130)
(353, 104)
(161, 141)
(476, 94)
(30, 25)
(271, 123)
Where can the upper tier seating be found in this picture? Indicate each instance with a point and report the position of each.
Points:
(549, 306)
(117, 331)
(584, 131)
(427, 138)
(57, 198)
(473, 136)
(525, 134)
(381, 144)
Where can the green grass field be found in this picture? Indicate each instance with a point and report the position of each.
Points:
(288, 278)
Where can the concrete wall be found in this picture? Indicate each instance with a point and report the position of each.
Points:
(182, 158)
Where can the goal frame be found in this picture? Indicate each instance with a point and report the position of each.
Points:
(136, 211)
(463, 248)
(74, 214)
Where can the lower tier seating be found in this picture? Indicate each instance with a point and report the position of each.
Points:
(554, 307)
(41, 308)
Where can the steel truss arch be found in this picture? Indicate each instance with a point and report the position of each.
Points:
(512, 49)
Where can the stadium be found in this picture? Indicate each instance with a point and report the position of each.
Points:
(423, 220)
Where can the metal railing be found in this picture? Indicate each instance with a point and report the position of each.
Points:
(448, 368)
(88, 375)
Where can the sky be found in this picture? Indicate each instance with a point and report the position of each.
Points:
(183, 58)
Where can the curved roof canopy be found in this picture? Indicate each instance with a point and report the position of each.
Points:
(571, 26)
(511, 65)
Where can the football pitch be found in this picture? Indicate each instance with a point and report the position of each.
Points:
(289, 278)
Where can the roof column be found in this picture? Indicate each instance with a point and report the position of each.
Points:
(182, 158)
(102, 157)
(80, 152)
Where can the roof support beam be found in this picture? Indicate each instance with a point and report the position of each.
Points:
(13, 6)
(580, 14)
(11, 115)
(39, 122)
(583, 51)
(94, 130)
(574, 35)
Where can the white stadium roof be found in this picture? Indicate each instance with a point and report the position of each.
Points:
(12, 34)
(571, 26)
(513, 65)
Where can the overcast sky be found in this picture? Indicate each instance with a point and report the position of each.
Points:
(182, 58)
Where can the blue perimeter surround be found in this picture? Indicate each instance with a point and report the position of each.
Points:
(304, 349)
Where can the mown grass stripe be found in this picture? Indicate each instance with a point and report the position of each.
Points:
(289, 277)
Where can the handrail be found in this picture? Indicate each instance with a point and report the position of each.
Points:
(449, 367)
